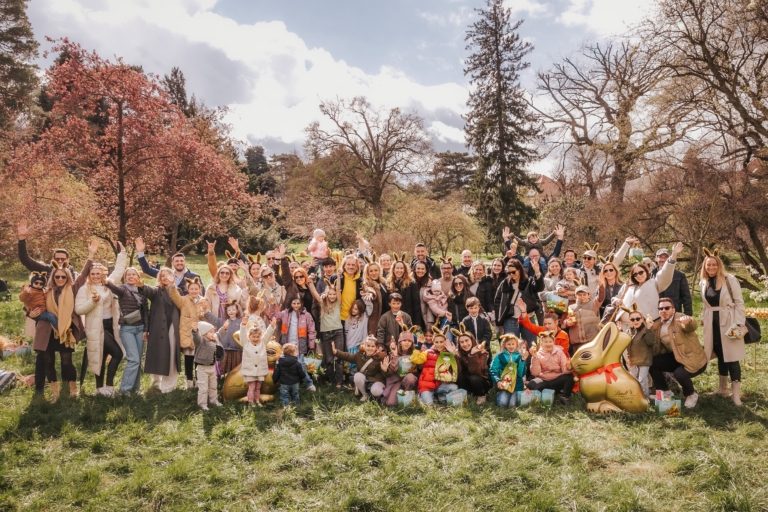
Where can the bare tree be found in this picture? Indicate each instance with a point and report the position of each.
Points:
(607, 100)
(385, 147)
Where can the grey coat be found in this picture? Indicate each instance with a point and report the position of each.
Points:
(162, 315)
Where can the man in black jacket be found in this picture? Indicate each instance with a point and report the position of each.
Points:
(420, 253)
(679, 291)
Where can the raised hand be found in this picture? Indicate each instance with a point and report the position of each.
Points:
(677, 249)
(211, 246)
(506, 234)
(22, 230)
(560, 231)
(648, 321)
(685, 320)
(120, 246)
(139, 244)
(234, 243)
(281, 250)
(93, 248)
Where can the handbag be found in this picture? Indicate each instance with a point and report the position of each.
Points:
(132, 318)
(752, 331)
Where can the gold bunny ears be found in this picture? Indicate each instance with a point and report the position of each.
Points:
(230, 256)
(436, 331)
(193, 280)
(592, 247)
(372, 258)
(413, 329)
(711, 253)
(607, 259)
(449, 259)
(546, 334)
(462, 331)
(254, 258)
(399, 258)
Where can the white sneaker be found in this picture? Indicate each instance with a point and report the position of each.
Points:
(204, 407)
(103, 391)
(311, 388)
(364, 398)
(216, 403)
(691, 400)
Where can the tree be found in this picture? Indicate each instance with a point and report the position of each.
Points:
(175, 85)
(610, 101)
(260, 179)
(384, 148)
(17, 50)
(150, 168)
(452, 172)
(500, 127)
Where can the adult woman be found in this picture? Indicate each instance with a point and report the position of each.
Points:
(554, 274)
(101, 312)
(610, 285)
(134, 324)
(372, 281)
(457, 299)
(516, 286)
(189, 314)
(401, 281)
(644, 289)
(274, 292)
(481, 286)
(223, 290)
(162, 360)
(724, 319)
(423, 281)
(298, 286)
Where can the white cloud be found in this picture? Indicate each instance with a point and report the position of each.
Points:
(269, 78)
(605, 17)
(533, 8)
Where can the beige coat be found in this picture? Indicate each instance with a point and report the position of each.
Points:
(234, 292)
(188, 316)
(683, 342)
(731, 313)
(93, 315)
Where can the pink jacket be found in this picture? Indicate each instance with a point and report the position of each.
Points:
(548, 366)
(306, 330)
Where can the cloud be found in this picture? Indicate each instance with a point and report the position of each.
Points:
(269, 78)
(533, 8)
(604, 17)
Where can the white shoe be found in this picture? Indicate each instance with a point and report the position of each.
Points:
(311, 388)
(190, 384)
(216, 403)
(481, 400)
(691, 400)
(364, 398)
(103, 391)
(204, 407)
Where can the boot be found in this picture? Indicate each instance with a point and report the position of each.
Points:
(736, 397)
(723, 391)
(190, 384)
(73, 391)
(55, 392)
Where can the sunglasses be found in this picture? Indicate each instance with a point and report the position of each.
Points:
(300, 277)
(60, 277)
(270, 258)
(267, 274)
(665, 308)
(588, 258)
(37, 284)
(458, 283)
(638, 273)
(606, 270)
(637, 319)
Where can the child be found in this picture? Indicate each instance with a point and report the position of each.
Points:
(298, 328)
(371, 367)
(582, 322)
(640, 351)
(551, 368)
(288, 373)
(400, 373)
(206, 347)
(505, 393)
(393, 321)
(254, 367)
(233, 352)
(566, 287)
(331, 333)
(428, 385)
(437, 303)
(32, 296)
(356, 326)
(532, 241)
(318, 247)
(478, 326)
(473, 366)
(255, 313)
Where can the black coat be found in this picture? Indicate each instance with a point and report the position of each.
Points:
(680, 293)
(504, 299)
(483, 334)
(288, 371)
(162, 314)
(485, 292)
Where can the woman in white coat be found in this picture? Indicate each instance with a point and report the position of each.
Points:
(101, 312)
(222, 291)
(723, 316)
(643, 290)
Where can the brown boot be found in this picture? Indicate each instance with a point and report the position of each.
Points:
(55, 392)
(736, 389)
(73, 391)
(723, 391)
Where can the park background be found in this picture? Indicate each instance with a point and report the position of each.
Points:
(658, 132)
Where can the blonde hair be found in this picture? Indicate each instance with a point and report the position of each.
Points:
(407, 277)
(164, 270)
(290, 349)
(719, 278)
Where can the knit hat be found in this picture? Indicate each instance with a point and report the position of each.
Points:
(405, 335)
(582, 288)
(436, 286)
(204, 328)
(37, 277)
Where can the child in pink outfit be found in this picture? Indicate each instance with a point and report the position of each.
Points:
(318, 247)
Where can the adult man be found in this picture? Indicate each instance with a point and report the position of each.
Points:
(679, 291)
(446, 277)
(178, 263)
(385, 262)
(60, 256)
(420, 253)
(681, 353)
(466, 263)
(391, 323)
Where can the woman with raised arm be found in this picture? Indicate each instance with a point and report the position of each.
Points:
(162, 361)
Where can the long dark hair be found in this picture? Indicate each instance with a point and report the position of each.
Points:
(520, 270)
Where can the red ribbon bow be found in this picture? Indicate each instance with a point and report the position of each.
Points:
(607, 370)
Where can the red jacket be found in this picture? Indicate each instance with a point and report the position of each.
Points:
(561, 338)
(427, 380)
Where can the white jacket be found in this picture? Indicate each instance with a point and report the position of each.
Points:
(647, 294)
(93, 314)
(254, 362)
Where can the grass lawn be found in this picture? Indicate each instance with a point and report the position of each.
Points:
(159, 452)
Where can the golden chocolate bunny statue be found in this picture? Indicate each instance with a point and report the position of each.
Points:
(604, 383)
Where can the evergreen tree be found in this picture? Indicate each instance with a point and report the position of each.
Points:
(176, 86)
(17, 49)
(500, 127)
(260, 180)
(452, 172)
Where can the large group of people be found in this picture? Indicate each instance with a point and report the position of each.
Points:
(382, 325)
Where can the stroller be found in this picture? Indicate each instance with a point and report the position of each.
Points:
(5, 292)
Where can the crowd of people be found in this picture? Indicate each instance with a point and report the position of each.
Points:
(382, 325)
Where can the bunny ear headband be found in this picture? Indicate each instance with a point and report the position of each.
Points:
(607, 259)
(42, 275)
(506, 337)
(229, 255)
(461, 331)
(255, 259)
(370, 259)
(547, 334)
(193, 280)
(436, 331)
(591, 247)
(711, 254)
(449, 259)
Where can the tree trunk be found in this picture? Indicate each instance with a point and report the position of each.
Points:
(122, 233)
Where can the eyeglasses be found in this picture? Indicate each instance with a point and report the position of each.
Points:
(267, 274)
(512, 272)
(60, 277)
(665, 308)
(588, 258)
(270, 258)
(63, 258)
(638, 273)
(447, 268)
(299, 277)
(458, 283)
(606, 270)
(636, 319)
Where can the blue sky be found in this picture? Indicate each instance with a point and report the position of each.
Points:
(271, 62)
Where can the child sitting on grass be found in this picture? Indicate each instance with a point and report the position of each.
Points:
(507, 383)
(428, 385)
(288, 373)
(370, 365)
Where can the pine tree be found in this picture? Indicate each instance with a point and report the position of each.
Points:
(260, 180)
(452, 172)
(17, 49)
(500, 127)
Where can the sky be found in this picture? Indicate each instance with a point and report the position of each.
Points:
(271, 62)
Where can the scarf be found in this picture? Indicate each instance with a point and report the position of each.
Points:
(63, 309)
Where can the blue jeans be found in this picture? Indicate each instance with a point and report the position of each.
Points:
(132, 337)
(506, 399)
(289, 393)
(428, 397)
(511, 326)
(49, 317)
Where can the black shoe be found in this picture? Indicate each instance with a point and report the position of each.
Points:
(565, 400)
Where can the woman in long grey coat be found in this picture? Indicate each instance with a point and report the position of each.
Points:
(723, 316)
(162, 361)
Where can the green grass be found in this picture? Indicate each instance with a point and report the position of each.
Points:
(159, 452)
